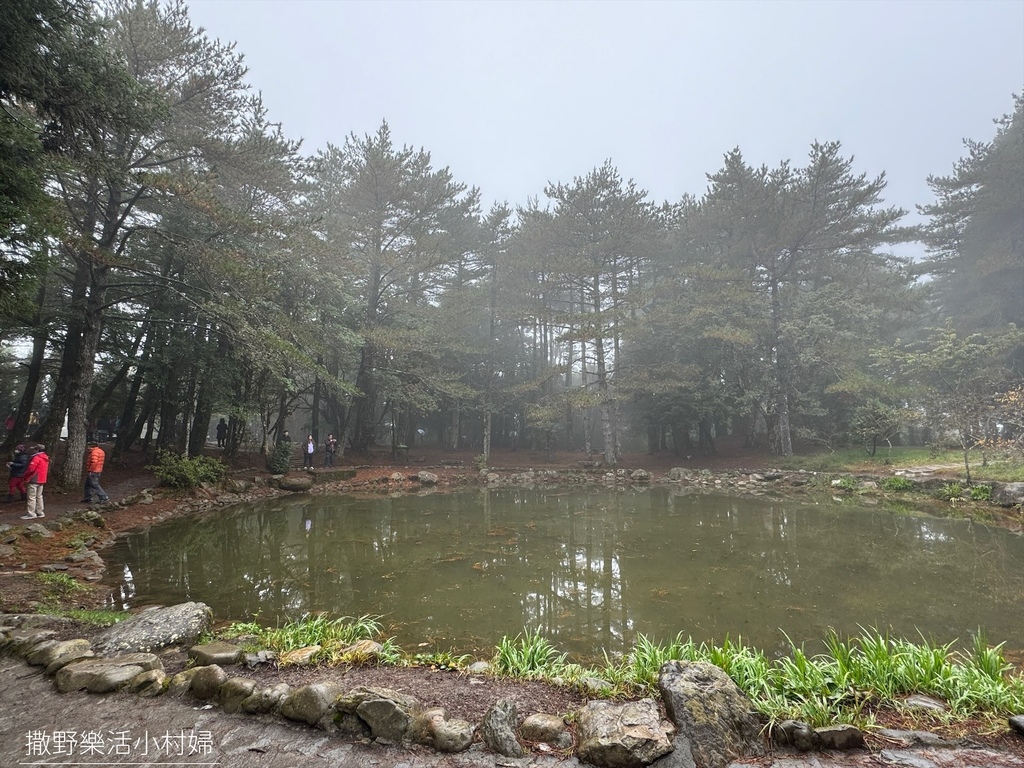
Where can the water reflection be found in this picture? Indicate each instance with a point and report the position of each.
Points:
(590, 569)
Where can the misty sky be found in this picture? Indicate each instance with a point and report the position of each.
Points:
(513, 95)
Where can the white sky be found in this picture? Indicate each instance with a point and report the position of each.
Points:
(513, 95)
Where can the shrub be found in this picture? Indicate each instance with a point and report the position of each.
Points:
(279, 460)
(981, 493)
(951, 491)
(180, 471)
(898, 484)
(845, 484)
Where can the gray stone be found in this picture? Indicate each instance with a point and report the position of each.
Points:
(234, 691)
(920, 701)
(37, 531)
(22, 641)
(266, 700)
(103, 675)
(236, 485)
(156, 628)
(296, 483)
(224, 654)
(796, 734)
(299, 657)
(915, 738)
(626, 735)
(309, 703)
(711, 711)
(206, 682)
(843, 736)
(1008, 494)
(55, 654)
(433, 729)
(640, 476)
(181, 683)
(148, 684)
(349, 702)
(478, 668)
(546, 729)
(902, 759)
(681, 755)
(678, 474)
(426, 478)
(498, 729)
(1017, 724)
(387, 719)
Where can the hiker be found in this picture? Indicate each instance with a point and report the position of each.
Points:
(35, 479)
(330, 446)
(18, 464)
(222, 433)
(94, 458)
(310, 449)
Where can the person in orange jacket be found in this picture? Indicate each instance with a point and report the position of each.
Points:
(35, 479)
(94, 458)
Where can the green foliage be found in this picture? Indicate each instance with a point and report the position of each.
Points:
(183, 472)
(97, 617)
(981, 493)
(61, 584)
(528, 655)
(480, 462)
(898, 484)
(847, 484)
(447, 660)
(334, 636)
(950, 491)
(279, 460)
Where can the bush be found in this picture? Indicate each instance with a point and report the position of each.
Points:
(981, 493)
(180, 471)
(898, 484)
(279, 460)
(951, 491)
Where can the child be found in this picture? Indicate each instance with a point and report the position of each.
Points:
(17, 465)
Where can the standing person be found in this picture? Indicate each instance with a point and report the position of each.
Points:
(94, 458)
(222, 433)
(310, 450)
(35, 478)
(18, 464)
(330, 446)
(285, 438)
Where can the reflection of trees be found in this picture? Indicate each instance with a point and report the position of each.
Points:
(588, 568)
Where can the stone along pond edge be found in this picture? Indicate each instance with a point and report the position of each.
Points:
(701, 717)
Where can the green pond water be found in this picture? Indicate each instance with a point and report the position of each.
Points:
(589, 568)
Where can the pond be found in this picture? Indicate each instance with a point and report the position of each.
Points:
(589, 568)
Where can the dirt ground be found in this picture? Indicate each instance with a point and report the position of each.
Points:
(463, 697)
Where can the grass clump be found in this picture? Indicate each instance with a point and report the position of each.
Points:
(338, 638)
(527, 656)
(981, 493)
(950, 491)
(898, 484)
(97, 617)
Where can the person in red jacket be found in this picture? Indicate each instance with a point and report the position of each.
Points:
(94, 458)
(35, 479)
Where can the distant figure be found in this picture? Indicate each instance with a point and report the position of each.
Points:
(9, 422)
(285, 438)
(35, 478)
(18, 464)
(330, 446)
(94, 458)
(307, 457)
(222, 433)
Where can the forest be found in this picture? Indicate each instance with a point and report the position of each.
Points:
(169, 256)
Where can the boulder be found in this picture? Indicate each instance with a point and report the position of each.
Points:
(626, 735)
(103, 675)
(207, 681)
(299, 657)
(640, 476)
(498, 729)
(426, 478)
(296, 483)
(433, 729)
(1008, 494)
(1017, 724)
(542, 728)
(678, 474)
(155, 628)
(234, 691)
(221, 653)
(181, 683)
(388, 713)
(148, 684)
(309, 703)
(843, 736)
(266, 700)
(796, 734)
(711, 711)
(50, 651)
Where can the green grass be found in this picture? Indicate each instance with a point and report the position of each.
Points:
(999, 467)
(97, 617)
(835, 686)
